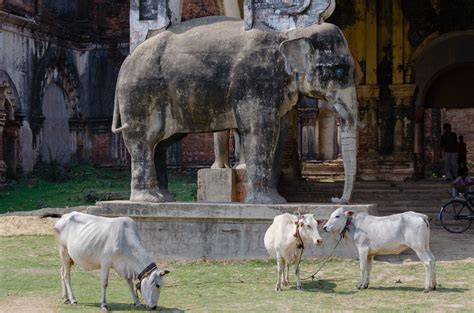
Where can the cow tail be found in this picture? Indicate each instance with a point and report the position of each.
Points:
(54, 215)
(116, 115)
(426, 219)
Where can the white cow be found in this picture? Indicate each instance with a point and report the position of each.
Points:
(285, 239)
(94, 242)
(374, 235)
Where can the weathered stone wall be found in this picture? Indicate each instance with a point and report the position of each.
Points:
(37, 53)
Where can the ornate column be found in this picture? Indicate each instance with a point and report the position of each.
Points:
(3, 115)
(404, 129)
(418, 135)
(368, 135)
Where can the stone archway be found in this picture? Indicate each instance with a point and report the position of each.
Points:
(444, 75)
(9, 127)
(55, 136)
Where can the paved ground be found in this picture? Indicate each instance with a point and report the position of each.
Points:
(444, 245)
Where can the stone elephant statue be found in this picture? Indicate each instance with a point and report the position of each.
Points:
(209, 74)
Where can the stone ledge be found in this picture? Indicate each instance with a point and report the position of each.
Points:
(189, 231)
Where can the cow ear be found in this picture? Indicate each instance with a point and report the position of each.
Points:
(298, 55)
(320, 222)
(349, 213)
(164, 272)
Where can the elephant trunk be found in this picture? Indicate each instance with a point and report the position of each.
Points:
(346, 106)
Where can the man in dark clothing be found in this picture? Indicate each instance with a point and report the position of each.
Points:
(449, 148)
(462, 155)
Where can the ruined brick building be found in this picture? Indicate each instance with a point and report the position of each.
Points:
(59, 61)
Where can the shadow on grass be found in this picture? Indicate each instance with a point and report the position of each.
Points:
(418, 289)
(324, 286)
(130, 307)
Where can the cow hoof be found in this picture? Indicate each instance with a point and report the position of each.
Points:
(299, 288)
(74, 302)
(104, 307)
(365, 286)
(285, 283)
(66, 301)
(278, 288)
(139, 306)
(359, 286)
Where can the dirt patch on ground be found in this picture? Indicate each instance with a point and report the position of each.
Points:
(27, 305)
(30, 223)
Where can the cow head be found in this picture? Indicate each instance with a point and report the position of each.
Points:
(309, 229)
(337, 221)
(151, 287)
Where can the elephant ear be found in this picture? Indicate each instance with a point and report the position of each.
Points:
(298, 54)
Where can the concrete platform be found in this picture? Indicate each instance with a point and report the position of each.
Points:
(190, 231)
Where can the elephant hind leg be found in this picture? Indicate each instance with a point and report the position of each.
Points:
(161, 167)
(143, 184)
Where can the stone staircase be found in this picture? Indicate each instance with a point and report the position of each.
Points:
(424, 196)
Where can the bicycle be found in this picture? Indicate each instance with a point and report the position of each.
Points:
(456, 216)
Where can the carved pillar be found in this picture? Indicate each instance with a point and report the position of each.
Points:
(403, 130)
(368, 136)
(3, 115)
(418, 135)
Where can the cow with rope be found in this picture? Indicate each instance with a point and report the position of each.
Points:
(94, 242)
(285, 240)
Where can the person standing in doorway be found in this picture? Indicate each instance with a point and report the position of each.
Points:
(462, 155)
(449, 148)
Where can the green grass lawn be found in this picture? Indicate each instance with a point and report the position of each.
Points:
(38, 192)
(30, 277)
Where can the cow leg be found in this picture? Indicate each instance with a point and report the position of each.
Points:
(286, 279)
(370, 259)
(135, 300)
(104, 279)
(280, 267)
(363, 258)
(297, 270)
(67, 262)
(428, 261)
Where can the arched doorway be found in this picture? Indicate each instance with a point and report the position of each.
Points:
(319, 140)
(444, 74)
(449, 100)
(8, 130)
(55, 138)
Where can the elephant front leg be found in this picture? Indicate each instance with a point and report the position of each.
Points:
(143, 184)
(260, 141)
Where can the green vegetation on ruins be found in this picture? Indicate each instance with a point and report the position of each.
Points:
(56, 187)
(30, 279)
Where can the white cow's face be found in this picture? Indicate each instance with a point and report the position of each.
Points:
(309, 229)
(151, 287)
(337, 221)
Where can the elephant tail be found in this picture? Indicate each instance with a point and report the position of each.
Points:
(125, 126)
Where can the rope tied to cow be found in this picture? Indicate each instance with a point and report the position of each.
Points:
(341, 236)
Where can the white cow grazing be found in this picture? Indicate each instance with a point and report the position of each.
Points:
(94, 242)
(284, 240)
(375, 235)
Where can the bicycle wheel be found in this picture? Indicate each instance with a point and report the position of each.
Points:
(454, 216)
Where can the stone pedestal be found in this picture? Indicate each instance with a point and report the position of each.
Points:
(222, 185)
(190, 231)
